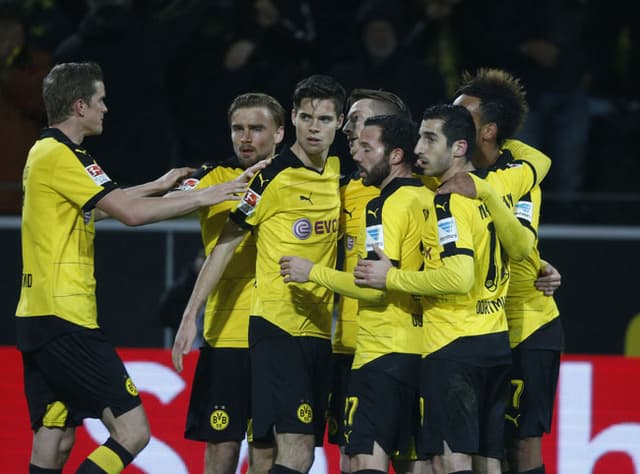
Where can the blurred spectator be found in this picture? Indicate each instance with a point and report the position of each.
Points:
(379, 63)
(542, 42)
(264, 46)
(135, 45)
(613, 42)
(22, 68)
(436, 36)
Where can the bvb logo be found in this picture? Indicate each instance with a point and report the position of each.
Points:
(130, 386)
(305, 413)
(219, 420)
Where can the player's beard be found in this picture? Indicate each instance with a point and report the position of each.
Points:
(378, 173)
(247, 162)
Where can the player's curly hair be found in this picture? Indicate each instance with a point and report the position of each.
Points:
(502, 99)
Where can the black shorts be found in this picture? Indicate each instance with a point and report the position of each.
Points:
(289, 381)
(220, 396)
(464, 405)
(534, 378)
(340, 372)
(76, 376)
(380, 409)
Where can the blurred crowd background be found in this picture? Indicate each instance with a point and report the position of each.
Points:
(173, 66)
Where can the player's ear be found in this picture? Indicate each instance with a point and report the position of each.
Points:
(340, 121)
(489, 131)
(279, 136)
(293, 116)
(460, 147)
(396, 156)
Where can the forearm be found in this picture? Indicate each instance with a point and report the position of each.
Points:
(454, 277)
(343, 283)
(516, 239)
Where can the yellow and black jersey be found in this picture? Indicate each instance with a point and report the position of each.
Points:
(62, 184)
(354, 197)
(293, 210)
(226, 321)
(393, 221)
(528, 309)
(470, 327)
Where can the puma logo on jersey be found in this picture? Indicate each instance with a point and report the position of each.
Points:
(306, 198)
(442, 206)
(349, 213)
(512, 419)
(373, 213)
(262, 180)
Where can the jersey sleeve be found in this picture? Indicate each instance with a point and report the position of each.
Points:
(80, 179)
(454, 277)
(343, 283)
(516, 238)
(538, 163)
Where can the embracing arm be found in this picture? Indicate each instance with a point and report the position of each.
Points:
(454, 277)
(208, 278)
(343, 283)
(516, 239)
(157, 187)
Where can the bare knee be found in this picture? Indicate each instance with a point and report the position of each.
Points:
(131, 429)
(295, 451)
(261, 456)
(222, 457)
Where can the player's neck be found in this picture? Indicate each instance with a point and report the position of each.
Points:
(315, 161)
(460, 165)
(396, 172)
(486, 155)
(71, 130)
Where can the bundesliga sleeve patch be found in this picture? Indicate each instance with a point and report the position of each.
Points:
(375, 236)
(249, 202)
(97, 175)
(447, 231)
(188, 184)
(524, 210)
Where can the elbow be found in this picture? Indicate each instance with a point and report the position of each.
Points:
(132, 219)
(522, 250)
(466, 283)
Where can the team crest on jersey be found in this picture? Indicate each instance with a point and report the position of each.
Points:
(447, 231)
(524, 210)
(188, 184)
(97, 175)
(249, 202)
(302, 228)
(375, 236)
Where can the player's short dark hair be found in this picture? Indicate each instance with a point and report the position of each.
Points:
(457, 124)
(396, 131)
(386, 103)
(65, 84)
(320, 86)
(502, 99)
(258, 99)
